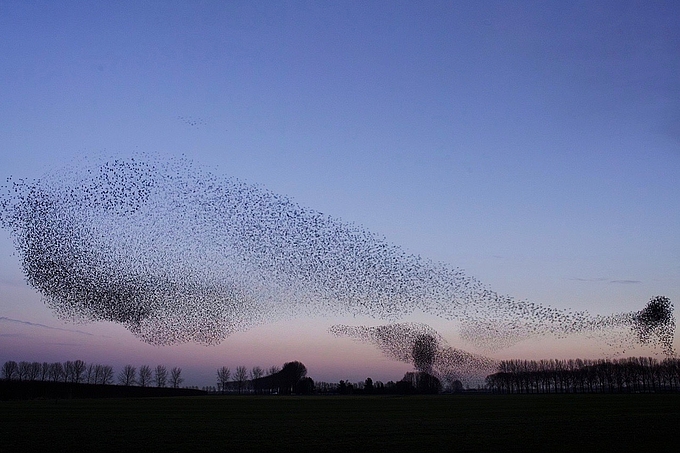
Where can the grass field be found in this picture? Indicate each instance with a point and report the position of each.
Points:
(642, 422)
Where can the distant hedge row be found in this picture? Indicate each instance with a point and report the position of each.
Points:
(632, 374)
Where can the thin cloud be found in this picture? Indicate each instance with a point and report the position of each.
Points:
(43, 326)
(602, 279)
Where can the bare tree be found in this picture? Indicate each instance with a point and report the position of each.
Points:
(56, 372)
(68, 371)
(127, 375)
(90, 374)
(255, 374)
(273, 381)
(223, 375)
(33, 371)
(161, 376)
(22, 370)
(144, 377)
(44, 371)
(175, 377)
(106, 375)
(9, 369)
(78, 371)
(97, 374)
(240, 377)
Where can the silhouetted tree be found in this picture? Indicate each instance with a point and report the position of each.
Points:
(44, 371)
(378, 387)
(97, 374)
(127, 375)
(9, 369)
(273, 381)
(68, 371)
(420, 382)
(56, 371)
(223, 376)
(428, 383)
(144, 377)
(404, 388)
(368, 386)
(345, 388)
(325, 387)
(289, 375)
(255, 374)
(77, 371)
(106, 375)
(176, 377)
(160, 376)
(33, 371)
(90, 374)
(240, 378)
(22, 370)
(304, 386)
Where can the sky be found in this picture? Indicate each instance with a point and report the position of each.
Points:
(534, 144)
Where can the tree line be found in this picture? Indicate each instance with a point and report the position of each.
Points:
(413, 382)
(632, 374)
(79, 372)
(291, 378)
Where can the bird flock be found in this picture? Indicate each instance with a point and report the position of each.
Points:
(423, 347)
(176, 254)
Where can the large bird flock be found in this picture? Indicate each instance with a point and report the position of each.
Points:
(177, 254)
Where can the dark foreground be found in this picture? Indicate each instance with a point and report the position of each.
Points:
(642, 422)
(45, 390)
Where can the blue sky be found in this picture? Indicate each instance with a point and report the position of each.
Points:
(534, 144)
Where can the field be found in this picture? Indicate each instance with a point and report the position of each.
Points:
(642, 422)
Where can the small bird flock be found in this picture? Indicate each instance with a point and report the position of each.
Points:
(423, 347)
(177, 254)
(192, 121)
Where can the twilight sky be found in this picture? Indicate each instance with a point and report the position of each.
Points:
(536, 145)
